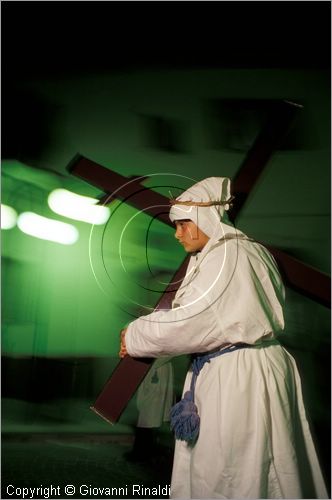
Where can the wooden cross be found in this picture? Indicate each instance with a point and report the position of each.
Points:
(130, 372)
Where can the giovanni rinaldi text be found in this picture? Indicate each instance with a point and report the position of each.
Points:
(138, 490)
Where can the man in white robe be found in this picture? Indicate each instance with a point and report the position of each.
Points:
(254, 439)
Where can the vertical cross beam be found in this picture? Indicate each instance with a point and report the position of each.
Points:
(279, 120)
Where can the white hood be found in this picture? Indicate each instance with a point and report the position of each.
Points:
(208, 219)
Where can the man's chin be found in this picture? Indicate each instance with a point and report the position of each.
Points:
(188, 249)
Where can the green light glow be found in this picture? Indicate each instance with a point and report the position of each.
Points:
(77, 207)
(8, 217)
(47, 229)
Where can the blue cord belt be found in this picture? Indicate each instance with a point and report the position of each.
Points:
(185, 420)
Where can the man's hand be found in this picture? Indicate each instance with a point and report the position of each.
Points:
(123, 350)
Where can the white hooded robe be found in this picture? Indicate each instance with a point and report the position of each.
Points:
(254, 439)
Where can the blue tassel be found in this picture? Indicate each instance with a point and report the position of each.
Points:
(185, 420)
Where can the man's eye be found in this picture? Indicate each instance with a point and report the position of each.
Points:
(182, 224)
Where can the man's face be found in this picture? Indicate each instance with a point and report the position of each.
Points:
(190, 236)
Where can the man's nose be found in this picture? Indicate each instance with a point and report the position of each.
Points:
(177, 232)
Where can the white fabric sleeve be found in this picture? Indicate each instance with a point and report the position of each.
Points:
(189, 328)
(233, 302)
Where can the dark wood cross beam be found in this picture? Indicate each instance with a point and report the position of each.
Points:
(130, 372)
(279, 120)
